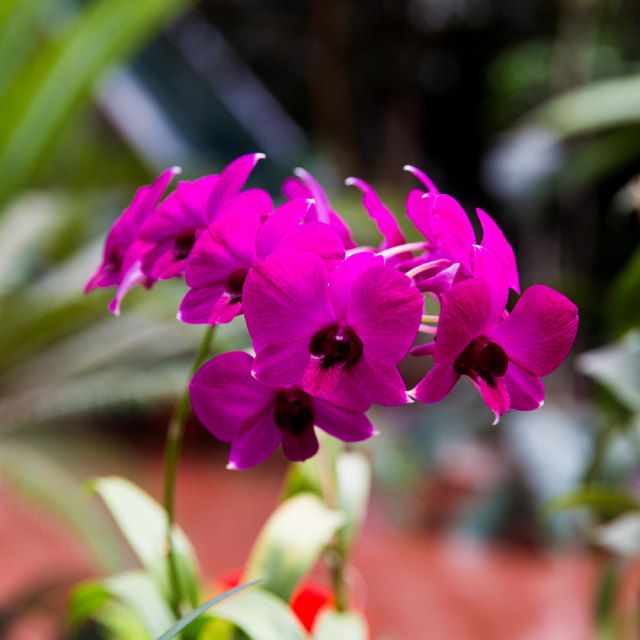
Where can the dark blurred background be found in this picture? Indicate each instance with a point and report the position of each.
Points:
(528, 109)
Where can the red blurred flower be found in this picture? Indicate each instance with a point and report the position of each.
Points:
(306, 603)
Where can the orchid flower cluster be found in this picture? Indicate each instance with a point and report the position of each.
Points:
(330, 321)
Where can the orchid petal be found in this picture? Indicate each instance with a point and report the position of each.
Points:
(224, 395)
(466, 310)
(282, 363)
(540, 330)
(384, 310)
(436, 385)
(344, 277)
(285, 297)
(526, 392)
(197, 305)
(299, 446)
(494, 240)
(232, 178)
(381, 214)
(255, 441)
(380, 383)
(345, 425)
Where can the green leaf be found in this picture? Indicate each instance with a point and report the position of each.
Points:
(594, 107)
(623, 301)
(616, 367)
(353, 473)
(143, 523)
(621, 535)
(183, 623)
(59, 78)
(133, 592)
(302, 477)
(262, 616)
(291, 542)
(39, 480)
(331, 625)
(606, 501)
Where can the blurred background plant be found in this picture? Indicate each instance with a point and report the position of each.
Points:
(530, 110)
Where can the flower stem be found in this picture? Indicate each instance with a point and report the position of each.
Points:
(175, 434)
(337, 553)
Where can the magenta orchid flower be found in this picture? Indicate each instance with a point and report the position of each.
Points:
(191, 208)
(503, 355)
(222, 256)
(381, 214)
(450, 235)
(256, 418)
(317, 328)
(123, 250)
(304, 185)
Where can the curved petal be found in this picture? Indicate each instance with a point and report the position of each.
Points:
(464, 315)
(198, 304)
(540, 330)
(255, 441)
(185, 208)
(494, 240)
(526, 392)
(384, 309)
(343, 278)
(423, 177)
(419, 211)
(344, 425)
(317, 238)
(381, 214)
(495, 396)
(232, 178)
(452, 230)
(228, 245)
(285, 218)
(487, 267)
(317, 380)
(257, 200)
(299, 446)
(436, 385)
(225, 396)
(346, 395)
(379, 383)
(322, 210)
(285, 297)
(282, 364)
(132, 277)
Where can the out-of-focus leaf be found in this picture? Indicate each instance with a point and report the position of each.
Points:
(292, 540)
(353, 474)
(143, 523)
(623, 301)
(617, 367)
(331, 625)
(59, 78)
(134, 592)
(183, 623)
(302, 477)
(17, 18)
(594, 107)
(606, 501)
(119, 622)
(44, 483)
(621, 536)
(86, 600)
(262, 616)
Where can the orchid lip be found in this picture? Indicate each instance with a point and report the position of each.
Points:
(482, 358)
(336, 345)
(293, 410)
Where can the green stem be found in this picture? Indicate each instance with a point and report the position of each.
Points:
(175, 434)
(337, 552)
